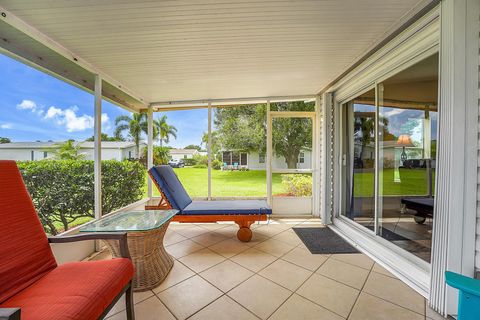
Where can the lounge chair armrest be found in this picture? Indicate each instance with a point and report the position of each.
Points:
(120, 236)
(9, 313)
(463, 283)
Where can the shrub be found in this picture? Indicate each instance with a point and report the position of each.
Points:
(190, 161)
(63, 190)
(217, 164)
(201, 159)
(200, 166)
(299, 185)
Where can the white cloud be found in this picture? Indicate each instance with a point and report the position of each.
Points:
(27, 105)
(393, 112)
(53, 112)
(6, 126)
(73, 122)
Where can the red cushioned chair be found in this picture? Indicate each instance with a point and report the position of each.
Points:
(31, 282)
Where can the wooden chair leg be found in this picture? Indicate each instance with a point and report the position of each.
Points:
(244, 233)
(129, 303)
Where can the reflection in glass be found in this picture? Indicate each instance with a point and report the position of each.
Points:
(359, 159)
(407, 151)
(405, 125)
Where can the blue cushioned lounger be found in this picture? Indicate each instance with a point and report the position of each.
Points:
(174, 195)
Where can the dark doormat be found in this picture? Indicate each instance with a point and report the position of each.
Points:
(323, 241)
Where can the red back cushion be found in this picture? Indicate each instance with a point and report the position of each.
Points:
(24, 250)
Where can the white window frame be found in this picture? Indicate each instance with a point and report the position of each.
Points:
(301, 157)
(261, 158)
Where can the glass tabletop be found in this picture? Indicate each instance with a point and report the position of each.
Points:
(129, 221)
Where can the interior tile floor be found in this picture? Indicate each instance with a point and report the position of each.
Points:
(272, 277)
(403, 231)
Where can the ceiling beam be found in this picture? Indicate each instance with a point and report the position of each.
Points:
(190, 104)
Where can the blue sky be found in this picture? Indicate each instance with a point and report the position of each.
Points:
(36, 106)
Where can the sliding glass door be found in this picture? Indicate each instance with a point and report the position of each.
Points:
(389, 138)
(358, 201)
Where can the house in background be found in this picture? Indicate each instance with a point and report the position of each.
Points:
(31, 151)
(178, 154)
(256, 160)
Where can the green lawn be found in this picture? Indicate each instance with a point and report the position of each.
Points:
(227, 183)
(404, 182)
(253, 183)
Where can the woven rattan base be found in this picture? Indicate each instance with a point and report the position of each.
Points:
(152, 263)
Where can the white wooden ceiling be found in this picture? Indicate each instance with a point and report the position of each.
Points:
(194, 50)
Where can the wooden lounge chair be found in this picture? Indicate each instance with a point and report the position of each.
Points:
(32, 285)
(173, 195)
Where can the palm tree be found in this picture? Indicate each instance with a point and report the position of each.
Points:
(66, 151)
(164, 130)
(135, 124)
(215, 143)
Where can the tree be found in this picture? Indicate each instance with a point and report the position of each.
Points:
(161, 155)
(66, 151)
(243, 128)
(135, 125)
(106, 137)
(215, 147)
(5, 140)
(164, 130)
(194, 146)
(364, 130)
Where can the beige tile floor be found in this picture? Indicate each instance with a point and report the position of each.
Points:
(272, 277)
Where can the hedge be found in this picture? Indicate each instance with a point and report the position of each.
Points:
(63, 190)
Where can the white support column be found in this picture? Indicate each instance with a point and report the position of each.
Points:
(457, 151)
(268, 161)
(209, 151)
(97, 149)
(316, 163)
(150, 148)
(326, 160)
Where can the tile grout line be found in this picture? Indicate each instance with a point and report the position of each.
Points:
(361, 290)
(314, 302)
(166, 307)
(229, 259)
(253, 274)
(295, 292)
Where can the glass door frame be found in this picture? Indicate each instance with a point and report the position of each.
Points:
(341, 184)
(269, 155)
(338, 214)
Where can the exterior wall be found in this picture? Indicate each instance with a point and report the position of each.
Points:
(179, 156)
(477, 246)
(25, 154)
(107, 154)
(21, 154)
(277, 162)
(130, 152)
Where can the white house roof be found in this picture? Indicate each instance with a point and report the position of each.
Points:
(183, 151)
(84, 145)
(163, 51)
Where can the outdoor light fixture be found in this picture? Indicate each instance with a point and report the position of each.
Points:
(404, 141)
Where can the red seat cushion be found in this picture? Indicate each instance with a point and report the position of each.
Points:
(74, 291)
(24, 249)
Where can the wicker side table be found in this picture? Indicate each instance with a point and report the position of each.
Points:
(145, 233)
